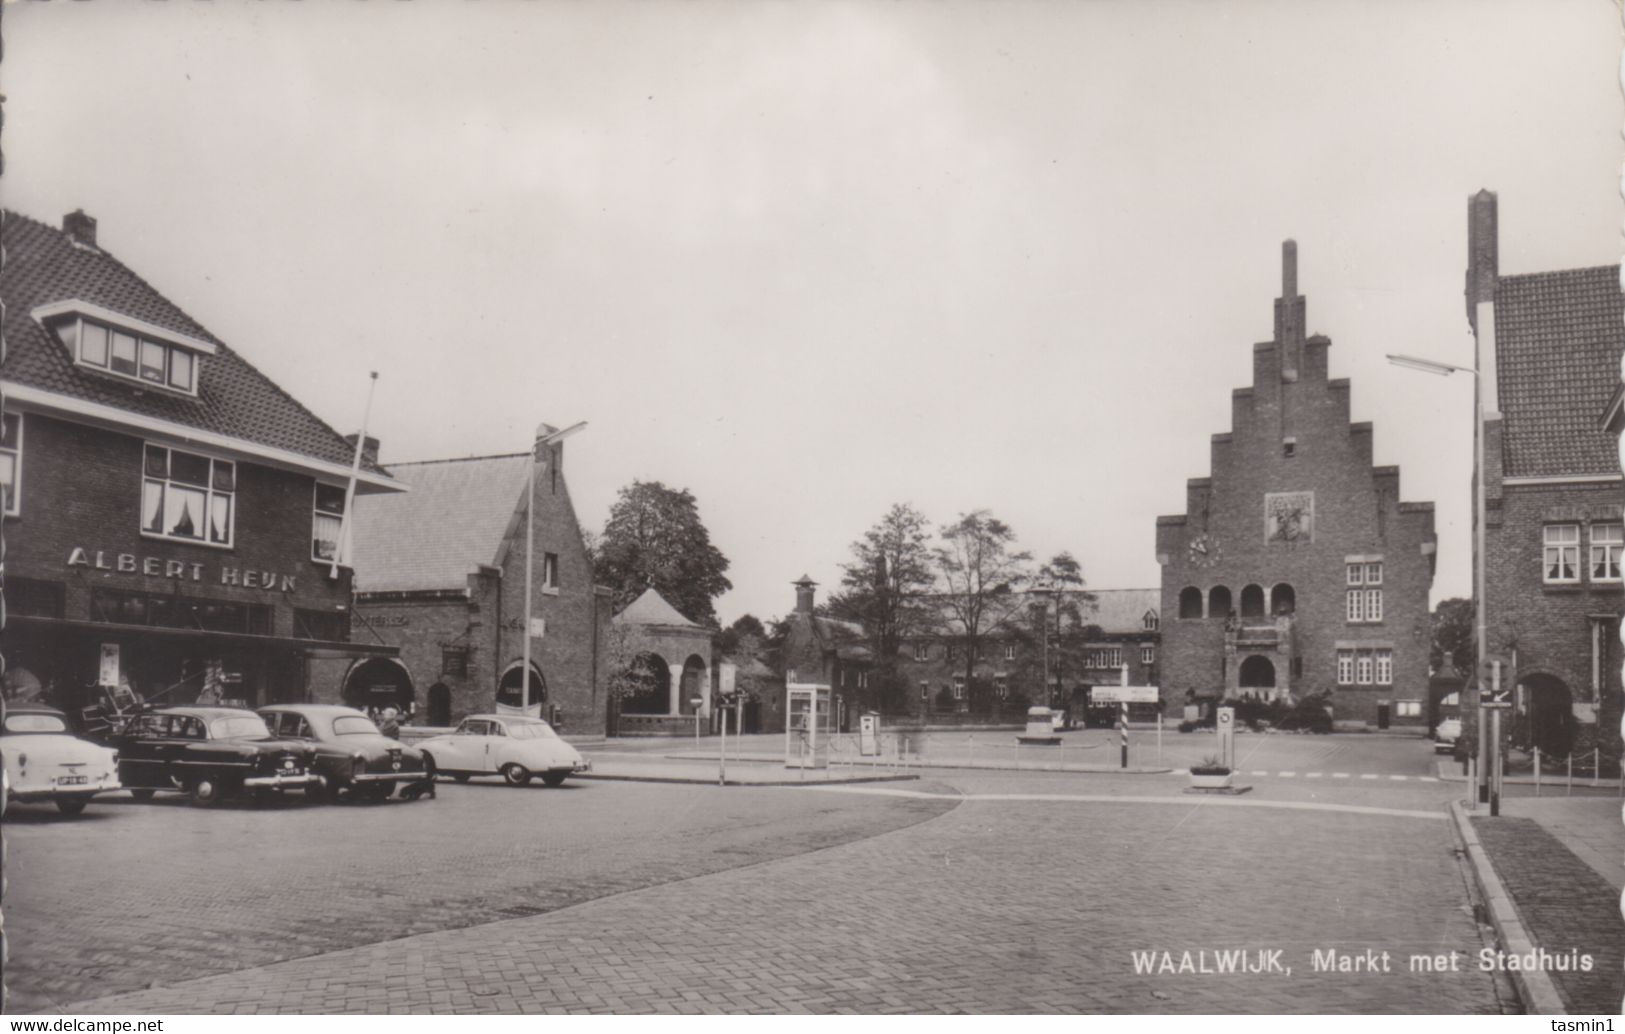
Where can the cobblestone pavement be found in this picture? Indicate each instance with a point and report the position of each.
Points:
(994, 906)
(1588, 826)
(1565, 904)
(129, 895)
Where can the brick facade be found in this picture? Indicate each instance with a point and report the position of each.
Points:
(1261, 557)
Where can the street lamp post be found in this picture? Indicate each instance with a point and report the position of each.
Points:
(1480, 598)
(545, 436)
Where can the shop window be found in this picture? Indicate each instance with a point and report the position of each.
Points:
(187, 496)
(1606, 542)
(327, 522)
(550, 572)
(1561, 553)
(454, 661)
(202, 615)
(11, 462)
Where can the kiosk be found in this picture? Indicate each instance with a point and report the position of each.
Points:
(806, 727)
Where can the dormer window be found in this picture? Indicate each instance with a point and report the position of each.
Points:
(108, 342)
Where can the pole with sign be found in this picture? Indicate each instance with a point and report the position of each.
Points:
(1227, 737)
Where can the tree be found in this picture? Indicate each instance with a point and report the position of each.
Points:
(654, 538)
(1453, 635)
(747, 628)
(979, 567)
(881, 588)
(1060, 579)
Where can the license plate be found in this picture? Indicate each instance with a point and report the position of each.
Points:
(78, 780)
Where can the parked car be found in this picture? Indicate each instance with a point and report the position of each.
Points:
(44, 761)
(353, 757)
(210, 753)
(1446, 735)
(515, 746)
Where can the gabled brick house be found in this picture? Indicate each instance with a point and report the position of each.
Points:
(167, 506)
(1549, 352)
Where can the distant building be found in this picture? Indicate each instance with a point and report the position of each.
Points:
(440, 575)
(1295, 569)
(1549, 352)
(662, 663)
(170, 512)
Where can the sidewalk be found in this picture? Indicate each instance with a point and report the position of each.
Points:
(641, 768)
(1035, 763)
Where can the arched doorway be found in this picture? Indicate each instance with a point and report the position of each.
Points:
(695, 684)
(1252, 601)
(1550, 714)
(510, 690)
(1257, 673)
(439, 704)
(377, 683)
(1283, 600)
(645, 685)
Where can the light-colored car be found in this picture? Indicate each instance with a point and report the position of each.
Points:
(46, 762)
(515, 747)
(1446, 735)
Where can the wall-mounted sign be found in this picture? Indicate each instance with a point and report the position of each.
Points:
(1123, 695)
(180, 570)
(109, 670)
(538, 628)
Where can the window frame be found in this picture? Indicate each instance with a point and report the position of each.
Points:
(1364, 668)
(922, 650)
(317, 513)
(1148, 655)
(13, 506)
(1613, 549)
(1345, 667)
(1383, 660)
(1009, 651)
(1546, 552)
(165, 380)
(550, 573)
(208, 489)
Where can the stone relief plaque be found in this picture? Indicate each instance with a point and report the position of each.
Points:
(1289, 517)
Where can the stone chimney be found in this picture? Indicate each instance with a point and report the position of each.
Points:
(804, 595)
(80, 228)
(369, 448)
(1483, 252)
(1289, 314)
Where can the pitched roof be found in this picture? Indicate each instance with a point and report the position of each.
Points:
(432, 537)
(652, 609)
(1558, 340)
(1115, 611)
(233, 399)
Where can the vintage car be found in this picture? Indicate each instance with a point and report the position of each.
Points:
(1446, 735)
(353, 758)
(516, 747)
(46, 762)
(210, 753)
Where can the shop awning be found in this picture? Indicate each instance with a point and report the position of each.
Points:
(310, 647)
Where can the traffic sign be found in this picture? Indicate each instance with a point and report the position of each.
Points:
(1123, 695)
(1495, 705)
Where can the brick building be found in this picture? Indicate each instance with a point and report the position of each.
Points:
(1549, 352)
(166, 505)
(440, 574)
(1295, 569)
(1111, 628)
(669, 660)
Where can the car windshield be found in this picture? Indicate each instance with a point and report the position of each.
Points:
(354, 725)
(35, 723)
(245, 727)
(531, 731)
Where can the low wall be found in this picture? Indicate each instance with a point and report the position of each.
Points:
(656, 725)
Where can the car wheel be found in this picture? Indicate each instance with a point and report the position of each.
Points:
(461, 777)
(429, 772)
(516, 774)
(143, 793)
(204, 792)
(71, 805)
(554, 778)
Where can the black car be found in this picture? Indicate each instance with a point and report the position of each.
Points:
(209, 753)
(353, 758)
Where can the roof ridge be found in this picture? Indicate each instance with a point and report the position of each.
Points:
(100, 249)
(1559, 272)
(459, 459)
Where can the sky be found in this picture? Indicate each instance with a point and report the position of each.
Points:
(809, 260)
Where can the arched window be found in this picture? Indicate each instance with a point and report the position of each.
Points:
(1190, 602)
(1252, 601)
(1218, 602)
(1283, 600)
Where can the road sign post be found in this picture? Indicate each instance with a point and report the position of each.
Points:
(1226, 722)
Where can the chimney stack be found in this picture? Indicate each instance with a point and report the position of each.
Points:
(804, 595)
(369, 448)
(1483, 253)
(80, 228)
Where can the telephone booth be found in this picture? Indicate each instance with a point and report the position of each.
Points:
(807, 725)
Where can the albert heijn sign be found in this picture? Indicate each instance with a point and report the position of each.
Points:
(180, 570)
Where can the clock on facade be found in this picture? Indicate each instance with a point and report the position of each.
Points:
(1204, 551)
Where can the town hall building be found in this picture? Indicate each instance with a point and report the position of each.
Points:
(1296, 569)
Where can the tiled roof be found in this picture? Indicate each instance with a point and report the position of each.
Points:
(43, 266)
(652, 609)
(1116, 611)
(1558, 339)
(432, 537)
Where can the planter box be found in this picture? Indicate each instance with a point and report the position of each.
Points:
(1211, 782)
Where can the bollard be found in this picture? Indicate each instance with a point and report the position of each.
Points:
(1537, 771)
(1596, 769)
(1571, 775)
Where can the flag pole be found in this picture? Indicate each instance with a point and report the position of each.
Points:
(341, 549)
